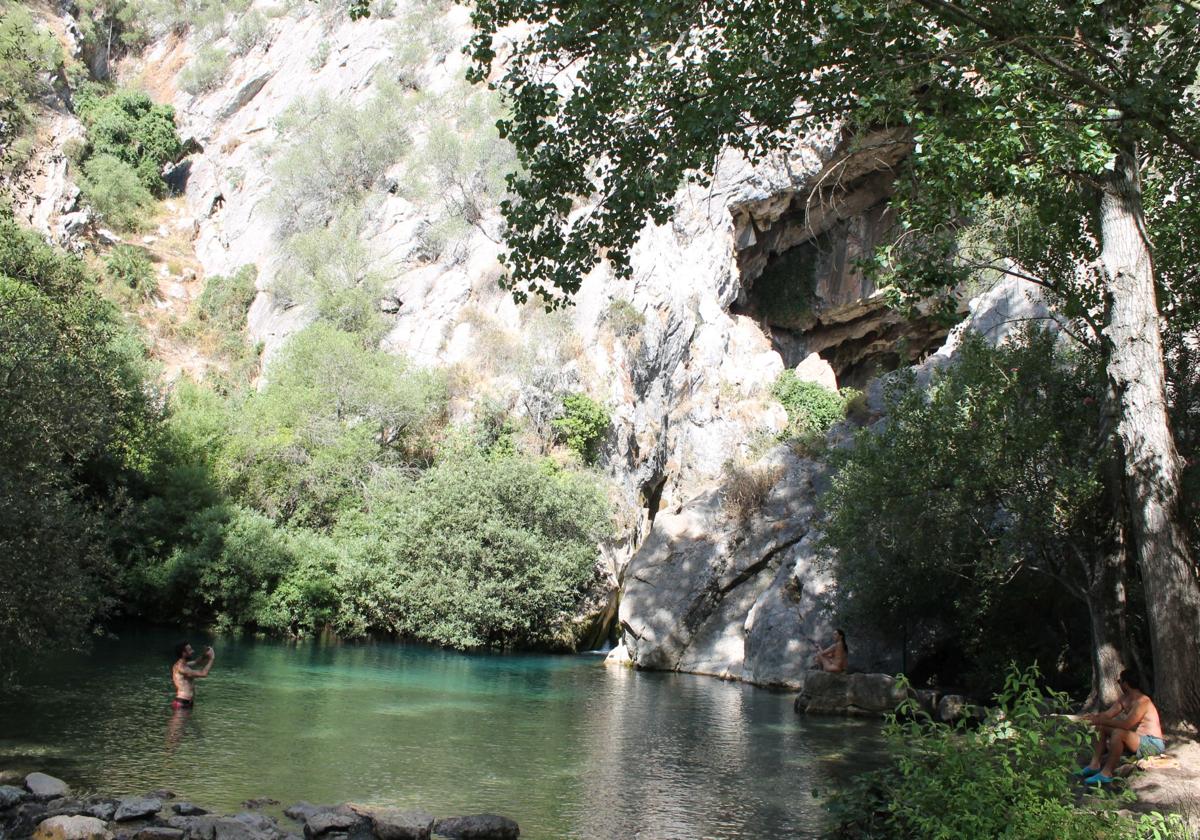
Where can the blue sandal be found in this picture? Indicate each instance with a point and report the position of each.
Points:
(1085, 771)
(1099, 779)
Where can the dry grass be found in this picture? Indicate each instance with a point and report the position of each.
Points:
(747, 487)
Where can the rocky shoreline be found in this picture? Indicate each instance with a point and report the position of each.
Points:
(43, 807)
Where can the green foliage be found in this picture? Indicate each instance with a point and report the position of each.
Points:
(582, 425)
(27, 55)
(77, 421)
(330, 153)
(811, 408)
(330, 269)
(479, 552)
(129, 267)
(460, 171)
(623, 318)
(332, 413)
(1007, 778)
(250, 31)
(205, 71)
(115, 191)
(128, 126)
(225, 301)
(939, 519)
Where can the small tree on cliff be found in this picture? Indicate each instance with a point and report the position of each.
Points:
(1057, 105)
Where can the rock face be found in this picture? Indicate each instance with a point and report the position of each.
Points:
(10, 796)
(870, 695)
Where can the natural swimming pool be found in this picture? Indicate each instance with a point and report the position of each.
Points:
(563, 745)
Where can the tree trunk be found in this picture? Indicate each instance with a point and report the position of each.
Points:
(1152, 469)
(1106, 607)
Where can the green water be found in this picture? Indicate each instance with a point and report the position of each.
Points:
(563, 745)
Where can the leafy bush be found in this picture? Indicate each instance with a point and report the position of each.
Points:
(582, 425)
(128, 126)
(131, 268)
(205, 71)
(27, 54)
(623, 318)
(331, 270)
(811, 408)
(77, 424)
(478, 552)
(332, 413)
(977, 492)
(116, 192)
(249, 32)
(1008, 778)
(331, 152)
(226, 300)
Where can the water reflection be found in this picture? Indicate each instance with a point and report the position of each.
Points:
(562, 744)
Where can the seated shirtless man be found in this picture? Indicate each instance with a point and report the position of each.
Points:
(184, 673)
(833, 658)
(1129, 725)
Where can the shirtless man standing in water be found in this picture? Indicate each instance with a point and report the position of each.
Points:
(1130, 725)
(183, 673)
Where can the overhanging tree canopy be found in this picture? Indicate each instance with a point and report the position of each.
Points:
(1062, 108)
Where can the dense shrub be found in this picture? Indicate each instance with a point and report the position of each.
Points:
(332, 412)
(811, 408)
(225, 301)
(205, 71)
(582, 425)
(130, 268)
(250, 31)
(116, 192)
(478, 552)
(973, 495)
(77, 423)
(1008, 778)
(330, 153)
(128, 126)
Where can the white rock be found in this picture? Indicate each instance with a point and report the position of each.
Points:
(72, 828)
(46, 787)
(815, 369)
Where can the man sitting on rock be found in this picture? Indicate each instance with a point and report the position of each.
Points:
(834, 657)
(1129, 725)
(185, 672)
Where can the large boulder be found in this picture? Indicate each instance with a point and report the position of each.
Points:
(391, 824)
(870, 695)
(478, 827)
(72, 828)
(10, 796)
(342, 821)
(46, 787)
(137, 808)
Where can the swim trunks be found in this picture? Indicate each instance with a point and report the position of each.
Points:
(1149, 745)
(182, 703)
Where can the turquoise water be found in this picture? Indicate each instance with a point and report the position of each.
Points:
(563, 745)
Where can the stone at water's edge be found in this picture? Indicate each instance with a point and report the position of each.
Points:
(391, 824)
(869, 695)
(10, 796)
(46, 787)
(72, 828)
(341, 821)
(12, 777)
(136, 808)
(159, 832)
(187, 809)
(478, 827)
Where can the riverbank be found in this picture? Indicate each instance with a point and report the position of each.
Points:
(1169, 783)
(43, 807)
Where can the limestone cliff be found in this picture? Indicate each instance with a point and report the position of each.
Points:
(755, 273)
